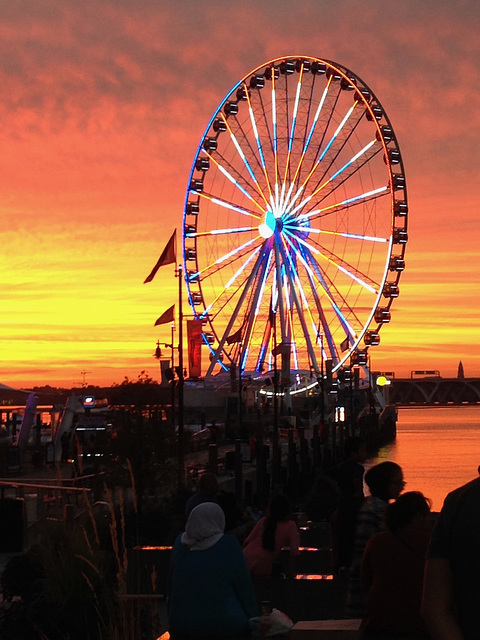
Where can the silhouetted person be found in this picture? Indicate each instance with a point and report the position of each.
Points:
(207, 492)
(349, 476)
(271, 533)
(238, 522)
(392, 571)
(385, 482)
(451, 599)
(210, 592)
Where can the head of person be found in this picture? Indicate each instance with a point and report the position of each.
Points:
(409, 509)
(278, 510)
(385, 480)
(205, 526)
(355, 448)
(208, 484)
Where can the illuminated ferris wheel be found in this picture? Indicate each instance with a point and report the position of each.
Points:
(295, 220)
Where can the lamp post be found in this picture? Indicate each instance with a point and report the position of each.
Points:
(158, 355)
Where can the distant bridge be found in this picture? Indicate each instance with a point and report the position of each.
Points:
(434, 391)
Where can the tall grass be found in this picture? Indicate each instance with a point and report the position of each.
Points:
(85, 567)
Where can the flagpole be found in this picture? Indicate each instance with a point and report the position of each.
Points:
(181, 457)
(172, 381)
(276, 461)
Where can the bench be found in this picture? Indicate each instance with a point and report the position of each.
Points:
(326, 630)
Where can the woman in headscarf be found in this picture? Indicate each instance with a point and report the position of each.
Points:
(210, 591)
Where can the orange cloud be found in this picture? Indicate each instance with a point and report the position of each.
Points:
(103, 106)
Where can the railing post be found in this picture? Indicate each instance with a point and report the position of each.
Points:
(213, 458)
(238, 469)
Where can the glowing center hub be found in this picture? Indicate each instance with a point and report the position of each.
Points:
(267, 228)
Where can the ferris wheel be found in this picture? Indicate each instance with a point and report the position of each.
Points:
(295, 220)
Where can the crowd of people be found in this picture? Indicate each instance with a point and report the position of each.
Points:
(409, 578)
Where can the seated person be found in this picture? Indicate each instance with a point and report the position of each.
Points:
(392, 571)
(271, 533)
(385, 482)
(207, 492)
(210, 591)
(238, 521)
(349, 476)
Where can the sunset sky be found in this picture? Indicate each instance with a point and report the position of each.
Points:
(103, 105)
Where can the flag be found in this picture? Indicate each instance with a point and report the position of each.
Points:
(169, 255)
(194, 333)
(167, 316)
(344, 345)
(235, 337)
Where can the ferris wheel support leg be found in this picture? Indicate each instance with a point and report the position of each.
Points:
(287, 400)
(374, 390)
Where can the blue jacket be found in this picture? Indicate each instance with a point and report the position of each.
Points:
(211, 591)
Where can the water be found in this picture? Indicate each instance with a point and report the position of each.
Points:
(438, 449)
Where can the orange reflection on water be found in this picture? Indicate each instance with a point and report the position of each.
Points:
(438, 449)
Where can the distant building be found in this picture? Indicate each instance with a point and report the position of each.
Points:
(460, 372)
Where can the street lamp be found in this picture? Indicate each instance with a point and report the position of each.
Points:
(171, 376)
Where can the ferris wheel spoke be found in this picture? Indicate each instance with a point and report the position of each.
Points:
(322, 155)
(329, 188)
(296, 275)
(280, 302)
(258, 140)
(337, 132)
(341, 263)
(265, 134)
(312, 129)
(274, 131)
(262, 352)
(214, 310)
(323, 320)
(342, 234)
(219, 232)
(253, 310)
(302, 207)
(225, 260)
(233, 281)
(228, 205)
(243, 157)
(352, 165)
(311, 281)
(328, 287)
(344, 204)
(349, 272)
(300, 254)
(235, 181)
(240, 302)
(330, 103)
(299, 310)
(293, 124)
(335, 152)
